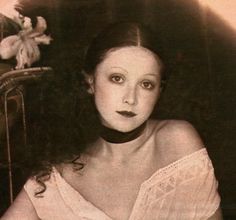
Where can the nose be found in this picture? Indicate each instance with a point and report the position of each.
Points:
(130, 96)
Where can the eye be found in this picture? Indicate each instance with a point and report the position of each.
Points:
(147, 85)
(117, 79)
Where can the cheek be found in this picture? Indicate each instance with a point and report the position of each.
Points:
(148, 101)
(104, 97)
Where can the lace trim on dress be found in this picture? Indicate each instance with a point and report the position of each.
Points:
(198, 159)
(167, 179)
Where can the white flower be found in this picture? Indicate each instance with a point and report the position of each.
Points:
(24, 45)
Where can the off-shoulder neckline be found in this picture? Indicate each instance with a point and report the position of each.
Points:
(166, 171)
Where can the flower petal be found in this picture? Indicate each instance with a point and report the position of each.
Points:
(28, 53)
(41, 25)
(43, 39)
(9, 46)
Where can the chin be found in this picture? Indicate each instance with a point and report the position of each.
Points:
(122, 125)
(125, 127)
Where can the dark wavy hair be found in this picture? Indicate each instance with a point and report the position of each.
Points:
(69, 120)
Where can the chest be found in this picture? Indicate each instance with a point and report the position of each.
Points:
(113, 190)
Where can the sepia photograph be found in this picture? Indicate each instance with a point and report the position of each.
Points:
(117, 109)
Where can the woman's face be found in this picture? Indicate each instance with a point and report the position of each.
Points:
(126, 86)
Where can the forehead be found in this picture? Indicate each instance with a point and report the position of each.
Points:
(129, 58)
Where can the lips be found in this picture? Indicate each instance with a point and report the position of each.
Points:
(127, 114)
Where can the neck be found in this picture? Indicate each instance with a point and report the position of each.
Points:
(117, 137)
(119, 152)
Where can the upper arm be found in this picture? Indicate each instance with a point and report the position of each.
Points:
(217, 215)
(21, 208)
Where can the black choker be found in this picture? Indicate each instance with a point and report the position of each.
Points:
(114, 136)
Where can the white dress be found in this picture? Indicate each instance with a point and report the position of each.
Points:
(184, 190)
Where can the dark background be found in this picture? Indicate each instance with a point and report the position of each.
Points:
(200, 56)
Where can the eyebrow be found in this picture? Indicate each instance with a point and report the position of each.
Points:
(152, 74)
(116, 67)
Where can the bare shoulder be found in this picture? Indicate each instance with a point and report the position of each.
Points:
(22, 208)
(178, 137)
(217, 215)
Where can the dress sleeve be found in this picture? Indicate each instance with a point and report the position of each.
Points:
(184, 190)
(195, 196)
(43, 202)
(48, 205)
(205, 189)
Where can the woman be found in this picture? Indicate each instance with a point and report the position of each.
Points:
(138, 168)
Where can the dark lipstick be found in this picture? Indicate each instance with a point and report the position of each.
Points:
(127, 114)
